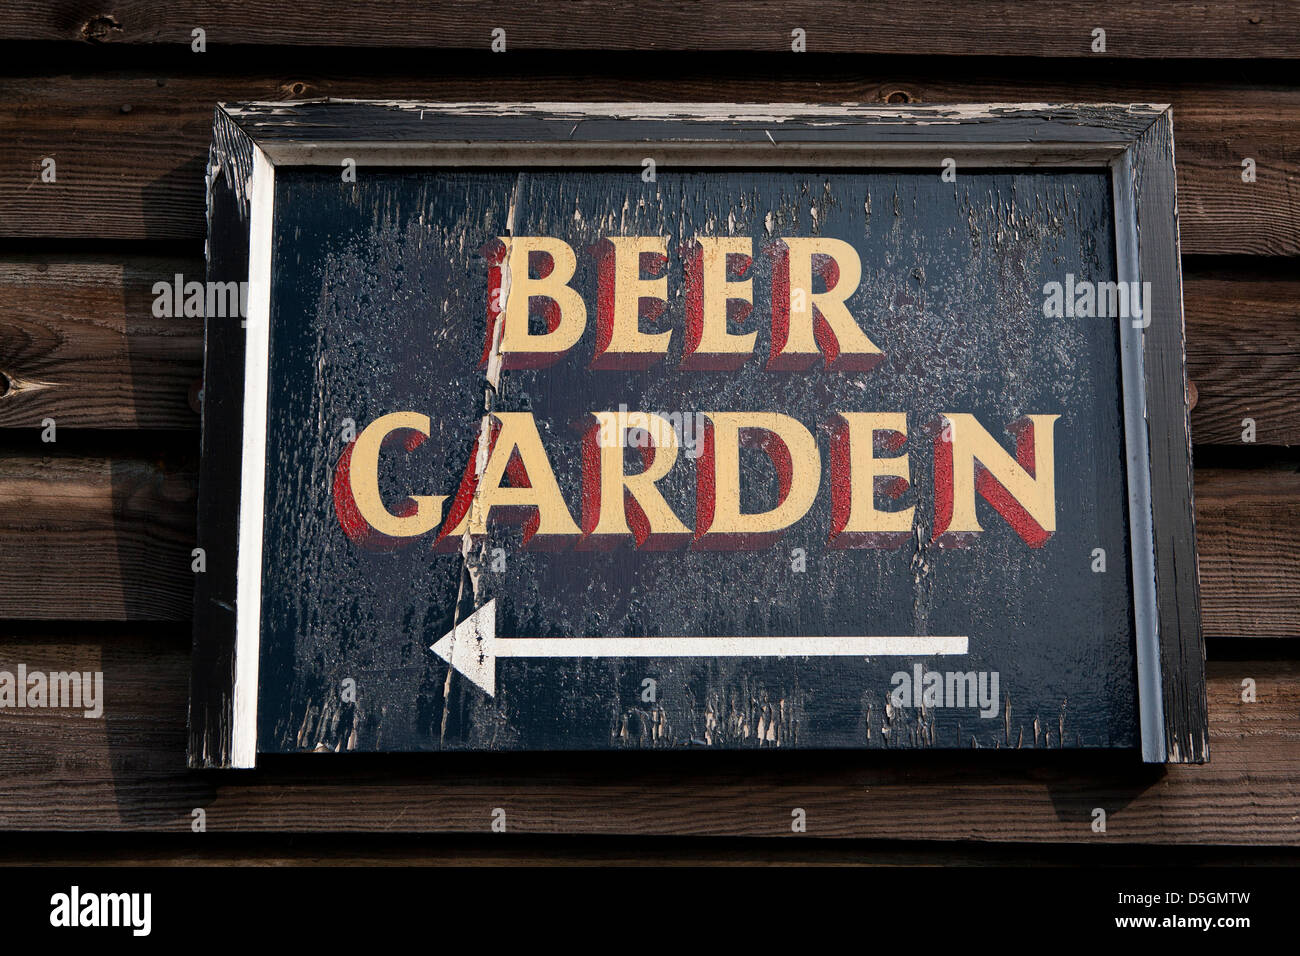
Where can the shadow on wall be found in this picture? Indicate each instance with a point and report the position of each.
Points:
(154, 483)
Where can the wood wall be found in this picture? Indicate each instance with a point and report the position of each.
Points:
(96, 528)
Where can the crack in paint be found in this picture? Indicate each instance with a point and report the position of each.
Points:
(470, 568)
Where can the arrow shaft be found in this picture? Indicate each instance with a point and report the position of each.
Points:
(808, 646)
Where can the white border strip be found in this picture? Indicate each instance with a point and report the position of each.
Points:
(1151, 705)
(252, 479)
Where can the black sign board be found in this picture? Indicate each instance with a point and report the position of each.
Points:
(599, 427)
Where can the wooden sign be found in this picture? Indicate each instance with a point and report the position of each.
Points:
(638, 426)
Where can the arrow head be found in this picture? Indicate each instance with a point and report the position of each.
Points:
(471, 647)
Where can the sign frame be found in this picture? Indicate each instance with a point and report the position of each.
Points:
(1133, 142)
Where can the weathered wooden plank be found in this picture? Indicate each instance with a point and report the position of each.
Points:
(1250, 570)
(1063, 28)
(62, 771)
(1169, 429)
(79, 343)
(95, 538)
(1243, 355)
(110, 539)
(130, 146)
(325, 123)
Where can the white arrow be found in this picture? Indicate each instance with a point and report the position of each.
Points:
(473, 647)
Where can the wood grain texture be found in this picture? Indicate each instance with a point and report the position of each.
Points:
(1167, 411)
(1243, 354)
(1256, 562)
(324, 122)
(130, 146)
(1062, 28)
(126, 772)
(95, 538)
(78, 343)
(110, 539)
